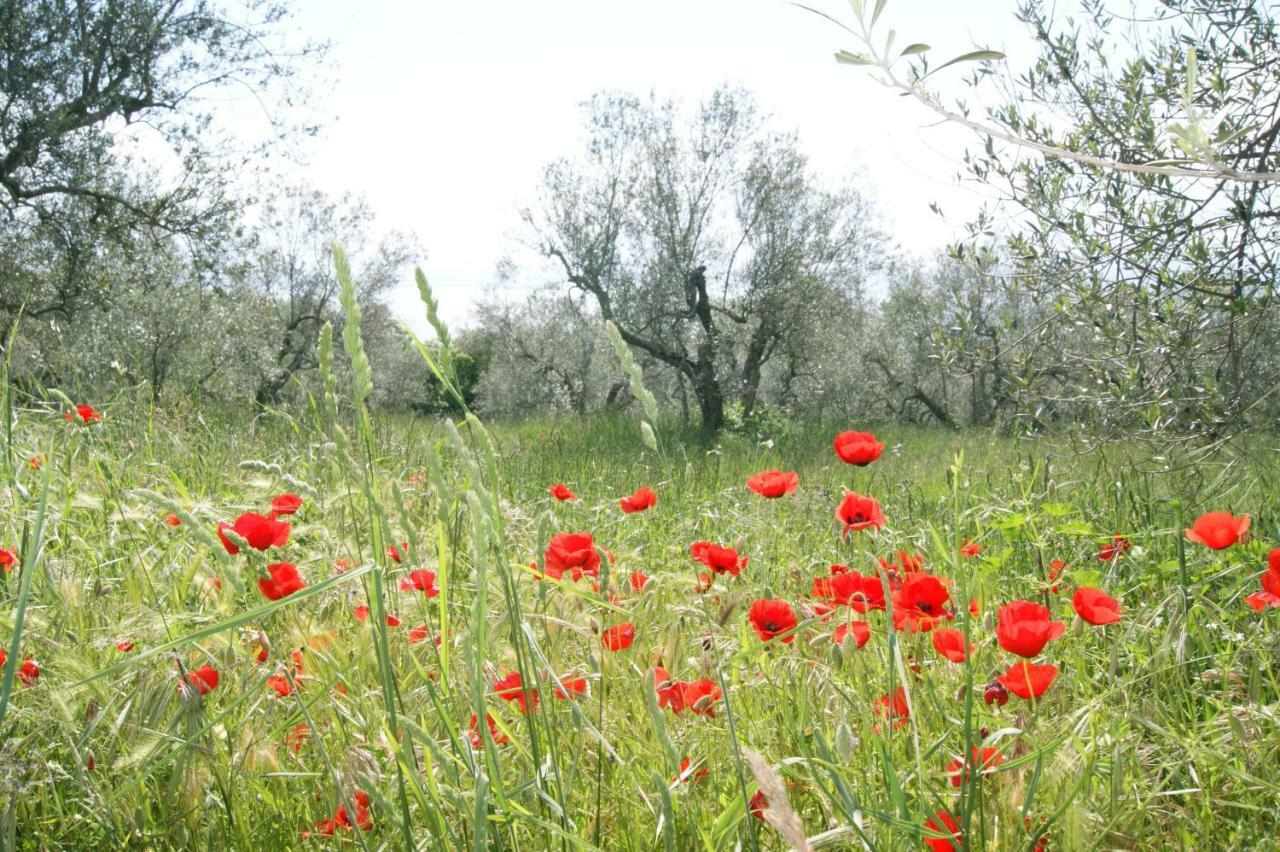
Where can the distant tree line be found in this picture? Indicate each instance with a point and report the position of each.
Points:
(750, 287)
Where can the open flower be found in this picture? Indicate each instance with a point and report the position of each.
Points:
(772, 618)
(857, 448)
(512, 688)
(1118, 547)
(920, 603)
(574, 553)
(203, 679)
(619, 637)
(1027, 680)
(260, 531)
(1218, 530)
(859, 513)
(284, 581)
(83, 414)
(859, 630)
(561, 492)
(420, 581)
(950, 644)
(722, 560)
(285, 504)
(774, 483)
(642, 499)
(1094, 606)
(984, 757)
(1024, 628)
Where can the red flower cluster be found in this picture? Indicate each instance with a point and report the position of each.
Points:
(696, 696)
(342, 817)
(1269, 596)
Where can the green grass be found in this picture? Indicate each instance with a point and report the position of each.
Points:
(1159, 732)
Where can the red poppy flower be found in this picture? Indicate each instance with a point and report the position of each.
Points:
(280, 684)
(1024, 628)
(1218, 530)
(572, 552)
(946, 835)
(772, 618)
(1027, 680)
(639, 580)
(861, 593)
(970, 549)
(950, 644)
(36, 462)
(700, 696)
(259, 531)
(395, 554)
(860, 630)
(284, 581)
(895, 708)
(1056, 569)
(561, 492)
(758, 805)
(296, 737)
(1118, 547)
(173, 520)
(473, 732)
(204, 679)
(774, 483)
(722, 560)
(8, 559)
(1273, 560)
(859, 513)
(285, 504)
(1270, 594)
(28, 672)
(419, 634)
(260, 653)
(362, 614)
(705, 579)
(838, 568)
(619, 637)
(996, 694)
(860, 448)
(571, 687)
(667, 689)
(689, 771)
(920, 603)
(422, 581)
(511, 688)
(342, 818)
(985, 757)
(84, 414)
(124, 646)
(903, 563)
(642, 499)
(1095, 607)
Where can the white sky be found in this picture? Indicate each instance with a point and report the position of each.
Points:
(444, 112)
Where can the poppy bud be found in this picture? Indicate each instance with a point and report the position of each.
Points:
(845, 743)
(995, 693)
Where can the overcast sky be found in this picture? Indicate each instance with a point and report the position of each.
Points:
(442, 114)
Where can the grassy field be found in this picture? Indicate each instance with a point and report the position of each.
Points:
(1160, 731)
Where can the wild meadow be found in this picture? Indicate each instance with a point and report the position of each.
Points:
(327, 627)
